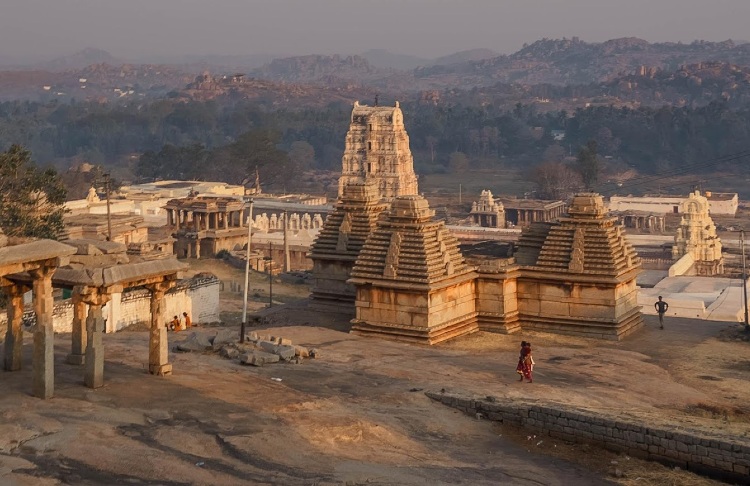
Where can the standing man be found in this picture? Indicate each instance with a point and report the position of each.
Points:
(661, 308)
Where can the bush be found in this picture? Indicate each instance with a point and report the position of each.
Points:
(223, 254)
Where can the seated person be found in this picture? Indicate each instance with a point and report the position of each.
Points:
(174, 324)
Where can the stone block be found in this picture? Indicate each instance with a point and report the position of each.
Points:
(195, 342)
(285, 352)
(223, 337)
(301, 351)
(258, 358)
(229, 352)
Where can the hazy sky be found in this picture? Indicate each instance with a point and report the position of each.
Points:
(145, 28)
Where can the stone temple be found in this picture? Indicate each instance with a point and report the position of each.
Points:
(383, 259)
(377, 147)
(696, 240)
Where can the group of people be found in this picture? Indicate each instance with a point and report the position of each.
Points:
(177, 324)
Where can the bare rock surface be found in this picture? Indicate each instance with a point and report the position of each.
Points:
(351, 417)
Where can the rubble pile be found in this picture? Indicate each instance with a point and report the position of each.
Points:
(257, 350)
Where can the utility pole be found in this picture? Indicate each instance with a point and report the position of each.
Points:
(109, 217)
(744, 278)
(287, 259)
(270, 274)
(247, 270)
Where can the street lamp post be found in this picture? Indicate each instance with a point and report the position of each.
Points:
(247, 270)
(270, 274)
(109, 217)
(744, 278)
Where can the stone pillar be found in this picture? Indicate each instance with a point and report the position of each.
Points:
(94, 374)
(14, 334)
(226, 220)
(43, 364)
(197, 248)
(79, 335)
(158, 347)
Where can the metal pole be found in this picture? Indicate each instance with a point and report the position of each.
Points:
(744, 278)
(270, 274)
(287, 260)
(109, 219)
(247, 270)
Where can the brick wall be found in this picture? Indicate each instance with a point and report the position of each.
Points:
(704, 452)
(198, 296)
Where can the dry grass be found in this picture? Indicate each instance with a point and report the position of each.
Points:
(618, 468)
(727, 413)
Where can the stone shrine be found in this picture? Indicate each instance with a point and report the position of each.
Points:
(377, 147)
(412, 281)
(487, 212)
(578, 274)
(697, 237)
(340, 240)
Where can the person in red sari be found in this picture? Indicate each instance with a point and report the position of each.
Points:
(525, 363)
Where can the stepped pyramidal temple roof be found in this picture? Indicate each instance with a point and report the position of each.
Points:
(408, 246)
(585, 241)
(352, 220)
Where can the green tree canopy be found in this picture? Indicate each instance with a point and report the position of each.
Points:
(31, 199)
(587, 164)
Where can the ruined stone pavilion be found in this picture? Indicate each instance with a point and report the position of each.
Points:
(377, 147)
(206, 225)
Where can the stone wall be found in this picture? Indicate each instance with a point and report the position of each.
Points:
(722, 456)
(199, 297)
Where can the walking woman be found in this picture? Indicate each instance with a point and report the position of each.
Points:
(525, 363)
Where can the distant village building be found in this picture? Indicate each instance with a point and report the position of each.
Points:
(377, 147)
(719, 203)
(557, 135)
(487, 212)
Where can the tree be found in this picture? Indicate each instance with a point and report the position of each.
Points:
(458, 162)
(31, 199)
(555, 180)
(302, 155)
(587, 164)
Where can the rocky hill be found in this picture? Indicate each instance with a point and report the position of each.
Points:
(572, 61)
(316, 69)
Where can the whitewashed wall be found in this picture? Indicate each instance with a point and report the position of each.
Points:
(199, 297)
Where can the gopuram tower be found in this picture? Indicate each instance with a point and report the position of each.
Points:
(377, 148)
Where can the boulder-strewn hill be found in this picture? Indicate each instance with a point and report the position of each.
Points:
(384, 59)
(465, 56)
(79, 60)
(315, 68)
(572, 61)
(691, 85)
